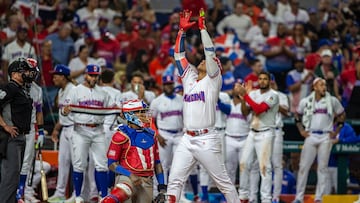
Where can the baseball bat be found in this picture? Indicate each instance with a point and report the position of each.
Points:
(44, 189)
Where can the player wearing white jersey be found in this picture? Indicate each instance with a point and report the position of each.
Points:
(264, 104)
(88, 131)
(201, 143)
(37, 121)
(16, 49)
(277, 154)
(110, 122)
(318, 112)
(138, 90)
(61, 79)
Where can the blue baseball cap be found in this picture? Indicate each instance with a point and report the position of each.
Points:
(92, 69)
(168, 79)
(61, 69)
(249, 55)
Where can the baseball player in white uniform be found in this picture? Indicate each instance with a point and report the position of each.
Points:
(110, 122)
(36, 121)
(138, 90)
(264, 104)
(318, 112)
(61, 74)
(88, 135)
(277, 154)
(201, 143)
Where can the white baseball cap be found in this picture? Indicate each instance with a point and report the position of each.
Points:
(326, 52)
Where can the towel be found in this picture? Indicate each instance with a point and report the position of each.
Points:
(310, 107)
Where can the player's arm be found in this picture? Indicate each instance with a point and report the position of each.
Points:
(159, 172)
(179, 52)
(213, 65)
(299, 125)
(258, 108)
(225, 108)
(40, 124)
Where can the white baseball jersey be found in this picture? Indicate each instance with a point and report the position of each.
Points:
(237, 124)
(129, 95)
(220, 117)
(13, 51)
(168, 112)
(62, 95)
(115, 96)
(321, 121)
(200, 99)
(284, 102)
(36, 95)
(89, 97)
(265, 120)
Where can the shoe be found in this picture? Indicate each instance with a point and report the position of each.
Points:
(197, 199)
(79, 200)
(244, 201)
(357, 201)
(184, 200)
(275, 201)
(70, 200)
(317, 201)
(56, 199)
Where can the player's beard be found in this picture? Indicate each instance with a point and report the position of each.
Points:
(91, 83)
(264, 87)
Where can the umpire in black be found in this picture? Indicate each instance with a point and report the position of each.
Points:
(15, 116)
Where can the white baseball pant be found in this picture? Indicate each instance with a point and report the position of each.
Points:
(29, 151)
(277, 162)
(315, 144)
(257, 144)
(89, 180)
(206, 149)
(64, 158)
(87, 141)
(234, 149)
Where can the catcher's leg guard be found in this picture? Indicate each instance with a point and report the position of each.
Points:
(171, 198)
(119, 194)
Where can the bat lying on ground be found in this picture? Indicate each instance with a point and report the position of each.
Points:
(44, 189)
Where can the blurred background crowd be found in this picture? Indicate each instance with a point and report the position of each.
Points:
(294, 40)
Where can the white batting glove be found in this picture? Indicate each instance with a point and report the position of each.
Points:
(40, 139)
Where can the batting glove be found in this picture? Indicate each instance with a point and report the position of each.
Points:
(201, 20)
(40, 139)
(185, 23)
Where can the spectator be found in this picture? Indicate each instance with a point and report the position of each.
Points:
(244, 69)
(173, 20)
(193, 6)
(78, 64)
(41, 32)
(279, 51)
(17, 48)
(9, 32)
(273, 16)
(104, 10)
(142, 11)
(87, 14)
(353, 110)
(298, 83)
(143, 42)
(86, 39)
(250, 9)
(259, 41)
(254, 30)
(125, 37)
(283, 6)
(256, 67)
(240, 22)
(102, 27)
(116, 24)
(351, 40)
(302, 42)
(338, 59)
(327, 71)
(62, 45)
(312, 28)
(158, 65)
(288, 181)
(140, 64)
(330, 31)
(218, 12)
(295, 15)
(107, 47)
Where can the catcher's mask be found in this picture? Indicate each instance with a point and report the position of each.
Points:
(137, 112)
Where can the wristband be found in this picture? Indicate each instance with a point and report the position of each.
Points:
(161, 187)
